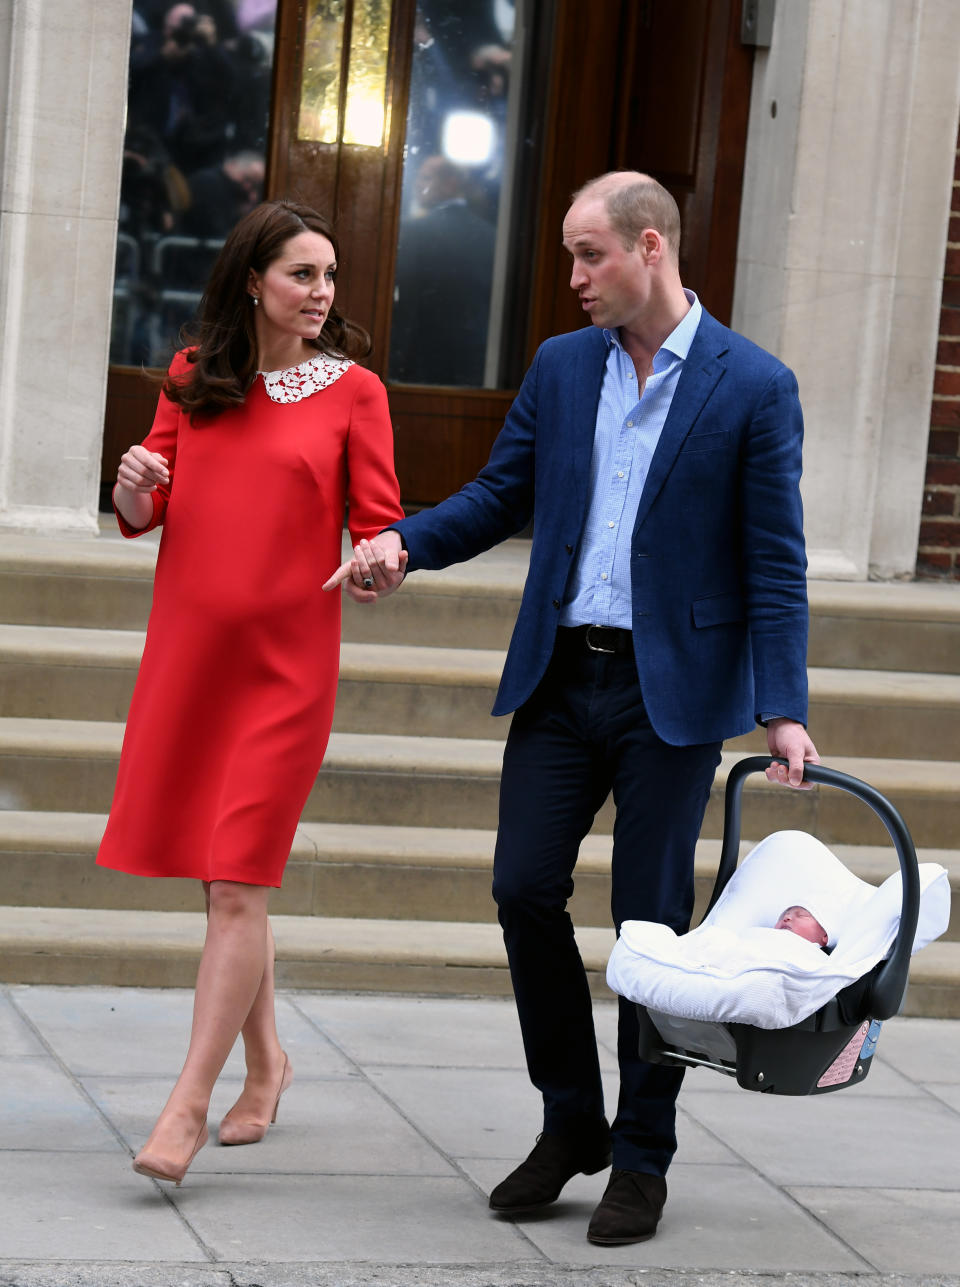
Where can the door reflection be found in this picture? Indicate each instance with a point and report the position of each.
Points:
(193, 159)
(457, 174)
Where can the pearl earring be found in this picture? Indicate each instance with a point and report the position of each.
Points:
(255, 300)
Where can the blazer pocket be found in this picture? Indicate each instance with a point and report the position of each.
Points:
(706, 441)
(718, 610)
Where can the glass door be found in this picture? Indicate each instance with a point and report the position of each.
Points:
(194, 160)
(470, 105)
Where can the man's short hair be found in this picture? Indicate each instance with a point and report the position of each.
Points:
(631, 207)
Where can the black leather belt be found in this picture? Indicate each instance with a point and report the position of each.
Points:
(609, 639)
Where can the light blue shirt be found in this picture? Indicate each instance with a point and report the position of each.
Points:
(627, 432)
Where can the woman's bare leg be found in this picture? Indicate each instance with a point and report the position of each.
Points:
(228, 982)
(263, 1053)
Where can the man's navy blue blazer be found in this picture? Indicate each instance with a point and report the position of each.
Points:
(718, 563)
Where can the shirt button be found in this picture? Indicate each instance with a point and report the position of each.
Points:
(603, 576)
(629, 424)
(629, 375)
(610, 525)
(619, 473)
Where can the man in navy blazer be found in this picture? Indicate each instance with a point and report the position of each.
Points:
(658, 454)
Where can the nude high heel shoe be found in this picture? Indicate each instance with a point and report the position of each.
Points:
(250, 1132)
(162, 1168)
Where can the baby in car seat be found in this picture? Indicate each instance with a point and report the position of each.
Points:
(738, 967)
(800, 921)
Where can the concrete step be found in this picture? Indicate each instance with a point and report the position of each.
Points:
(70, 765)
(106, 583)
(160, 949)
(86, 674)
(80, 673)
(893, 713)
(343, 870)
(884, 625)
(68, 672)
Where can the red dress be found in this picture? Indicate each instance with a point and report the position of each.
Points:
(233, 704)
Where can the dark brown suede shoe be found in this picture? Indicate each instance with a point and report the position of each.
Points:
(554, 1160)
(629, 1210)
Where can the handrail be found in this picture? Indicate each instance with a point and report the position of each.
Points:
(886, 993)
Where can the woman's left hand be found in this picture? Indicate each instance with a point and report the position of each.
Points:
(376, 569)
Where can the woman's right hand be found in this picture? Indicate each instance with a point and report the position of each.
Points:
(141, 470)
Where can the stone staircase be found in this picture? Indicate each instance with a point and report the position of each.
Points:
(389, 877)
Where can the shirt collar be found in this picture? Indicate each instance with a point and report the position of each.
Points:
(680, 338)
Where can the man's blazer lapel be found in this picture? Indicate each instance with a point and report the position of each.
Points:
(580, 409)
(702, 370)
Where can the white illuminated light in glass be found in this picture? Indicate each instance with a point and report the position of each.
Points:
(468, 138)
(364, 119)
(365, 116)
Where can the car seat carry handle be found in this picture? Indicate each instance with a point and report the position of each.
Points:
(886, 993)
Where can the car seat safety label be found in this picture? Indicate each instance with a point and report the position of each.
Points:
(842, 1067)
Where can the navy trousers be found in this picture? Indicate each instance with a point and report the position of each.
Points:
(583, 734)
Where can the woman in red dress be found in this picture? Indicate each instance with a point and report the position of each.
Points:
(266, 432)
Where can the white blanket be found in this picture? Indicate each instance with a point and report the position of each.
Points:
(735, 968)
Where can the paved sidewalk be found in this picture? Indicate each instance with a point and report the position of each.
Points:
(403, 1114)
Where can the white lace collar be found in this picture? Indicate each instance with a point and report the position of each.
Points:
(298, 382)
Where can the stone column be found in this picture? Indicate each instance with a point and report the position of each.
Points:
(846, 199)
(63, 67)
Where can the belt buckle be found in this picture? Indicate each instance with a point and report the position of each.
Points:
(596, 647)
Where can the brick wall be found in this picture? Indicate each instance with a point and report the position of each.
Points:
(938, 556)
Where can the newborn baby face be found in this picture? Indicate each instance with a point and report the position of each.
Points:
(799, 921)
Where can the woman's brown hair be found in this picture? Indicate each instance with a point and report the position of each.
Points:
(223, 359)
